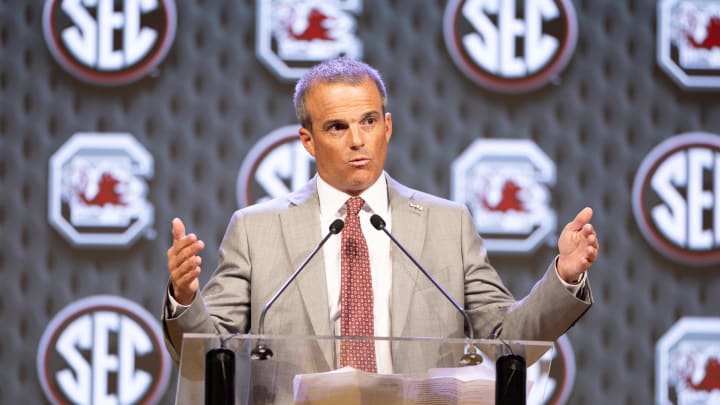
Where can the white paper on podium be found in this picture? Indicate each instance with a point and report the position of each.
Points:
(473, 385)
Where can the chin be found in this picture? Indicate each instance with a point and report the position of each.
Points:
(357, 187)
(359, 182)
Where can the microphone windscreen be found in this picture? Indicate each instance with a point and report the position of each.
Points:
(510, 380)
(377, 222)
(336, 226)
(220, 377)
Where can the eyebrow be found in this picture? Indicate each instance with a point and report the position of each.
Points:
(327, 124)
(371, 113)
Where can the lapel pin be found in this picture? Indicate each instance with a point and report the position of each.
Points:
(416, 207)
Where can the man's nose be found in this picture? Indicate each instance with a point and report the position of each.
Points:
(357, 137)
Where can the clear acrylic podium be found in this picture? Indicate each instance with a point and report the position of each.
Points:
(272, 381)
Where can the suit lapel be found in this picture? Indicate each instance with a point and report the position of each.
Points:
(408, 227)
(299, 221)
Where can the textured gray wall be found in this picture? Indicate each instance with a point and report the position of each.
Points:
(212, 99)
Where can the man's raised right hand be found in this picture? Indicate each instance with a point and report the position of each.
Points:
(184, 263)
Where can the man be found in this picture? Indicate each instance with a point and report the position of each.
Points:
(341, 105)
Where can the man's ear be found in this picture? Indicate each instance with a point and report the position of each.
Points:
(388, 126)
(307, 140)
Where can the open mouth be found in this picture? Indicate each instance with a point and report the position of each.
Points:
(358, 162)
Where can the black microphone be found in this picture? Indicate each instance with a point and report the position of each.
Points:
(220, 376)
(471, 356)
(510, 380)
(510, 376)
(262, 352)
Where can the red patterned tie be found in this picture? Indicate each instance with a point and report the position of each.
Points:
(356, 296)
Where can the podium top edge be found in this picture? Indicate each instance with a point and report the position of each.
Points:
(420, 339)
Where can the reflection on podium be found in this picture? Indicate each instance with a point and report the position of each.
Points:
(304, 370)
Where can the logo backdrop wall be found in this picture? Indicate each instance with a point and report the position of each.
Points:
(116, 116)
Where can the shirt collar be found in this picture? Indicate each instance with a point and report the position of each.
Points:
(332, 200)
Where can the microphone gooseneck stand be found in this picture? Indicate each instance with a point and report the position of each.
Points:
(471, 356)
(262, 351)
(220, 362)
(510, 369)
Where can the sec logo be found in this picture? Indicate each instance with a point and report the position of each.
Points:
(275, 166)
(103, 350)
(510, 46)
(676, 198)
(558, 384)
(109, 42)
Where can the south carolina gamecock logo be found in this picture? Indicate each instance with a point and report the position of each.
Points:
(98, 190)
(687, 369)
(506, 186)
(689, 42)
(293, 35)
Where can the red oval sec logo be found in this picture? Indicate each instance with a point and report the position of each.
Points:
(101, 43)
(510, 46)
(103, 349)
(676, 198)
(275, 166)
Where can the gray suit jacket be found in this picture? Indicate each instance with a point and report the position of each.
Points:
(266, 242)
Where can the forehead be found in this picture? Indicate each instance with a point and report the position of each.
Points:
(327, 98)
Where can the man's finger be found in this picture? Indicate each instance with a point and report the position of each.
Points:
(186, 252)
(587, 230)
(188, 275)
(178, 229)
(582, 218)
(183, 267)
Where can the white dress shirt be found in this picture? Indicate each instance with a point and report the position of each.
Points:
(332, 207)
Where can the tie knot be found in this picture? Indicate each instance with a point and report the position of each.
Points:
(354, 204)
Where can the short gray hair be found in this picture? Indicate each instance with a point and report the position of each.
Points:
(340, 70)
